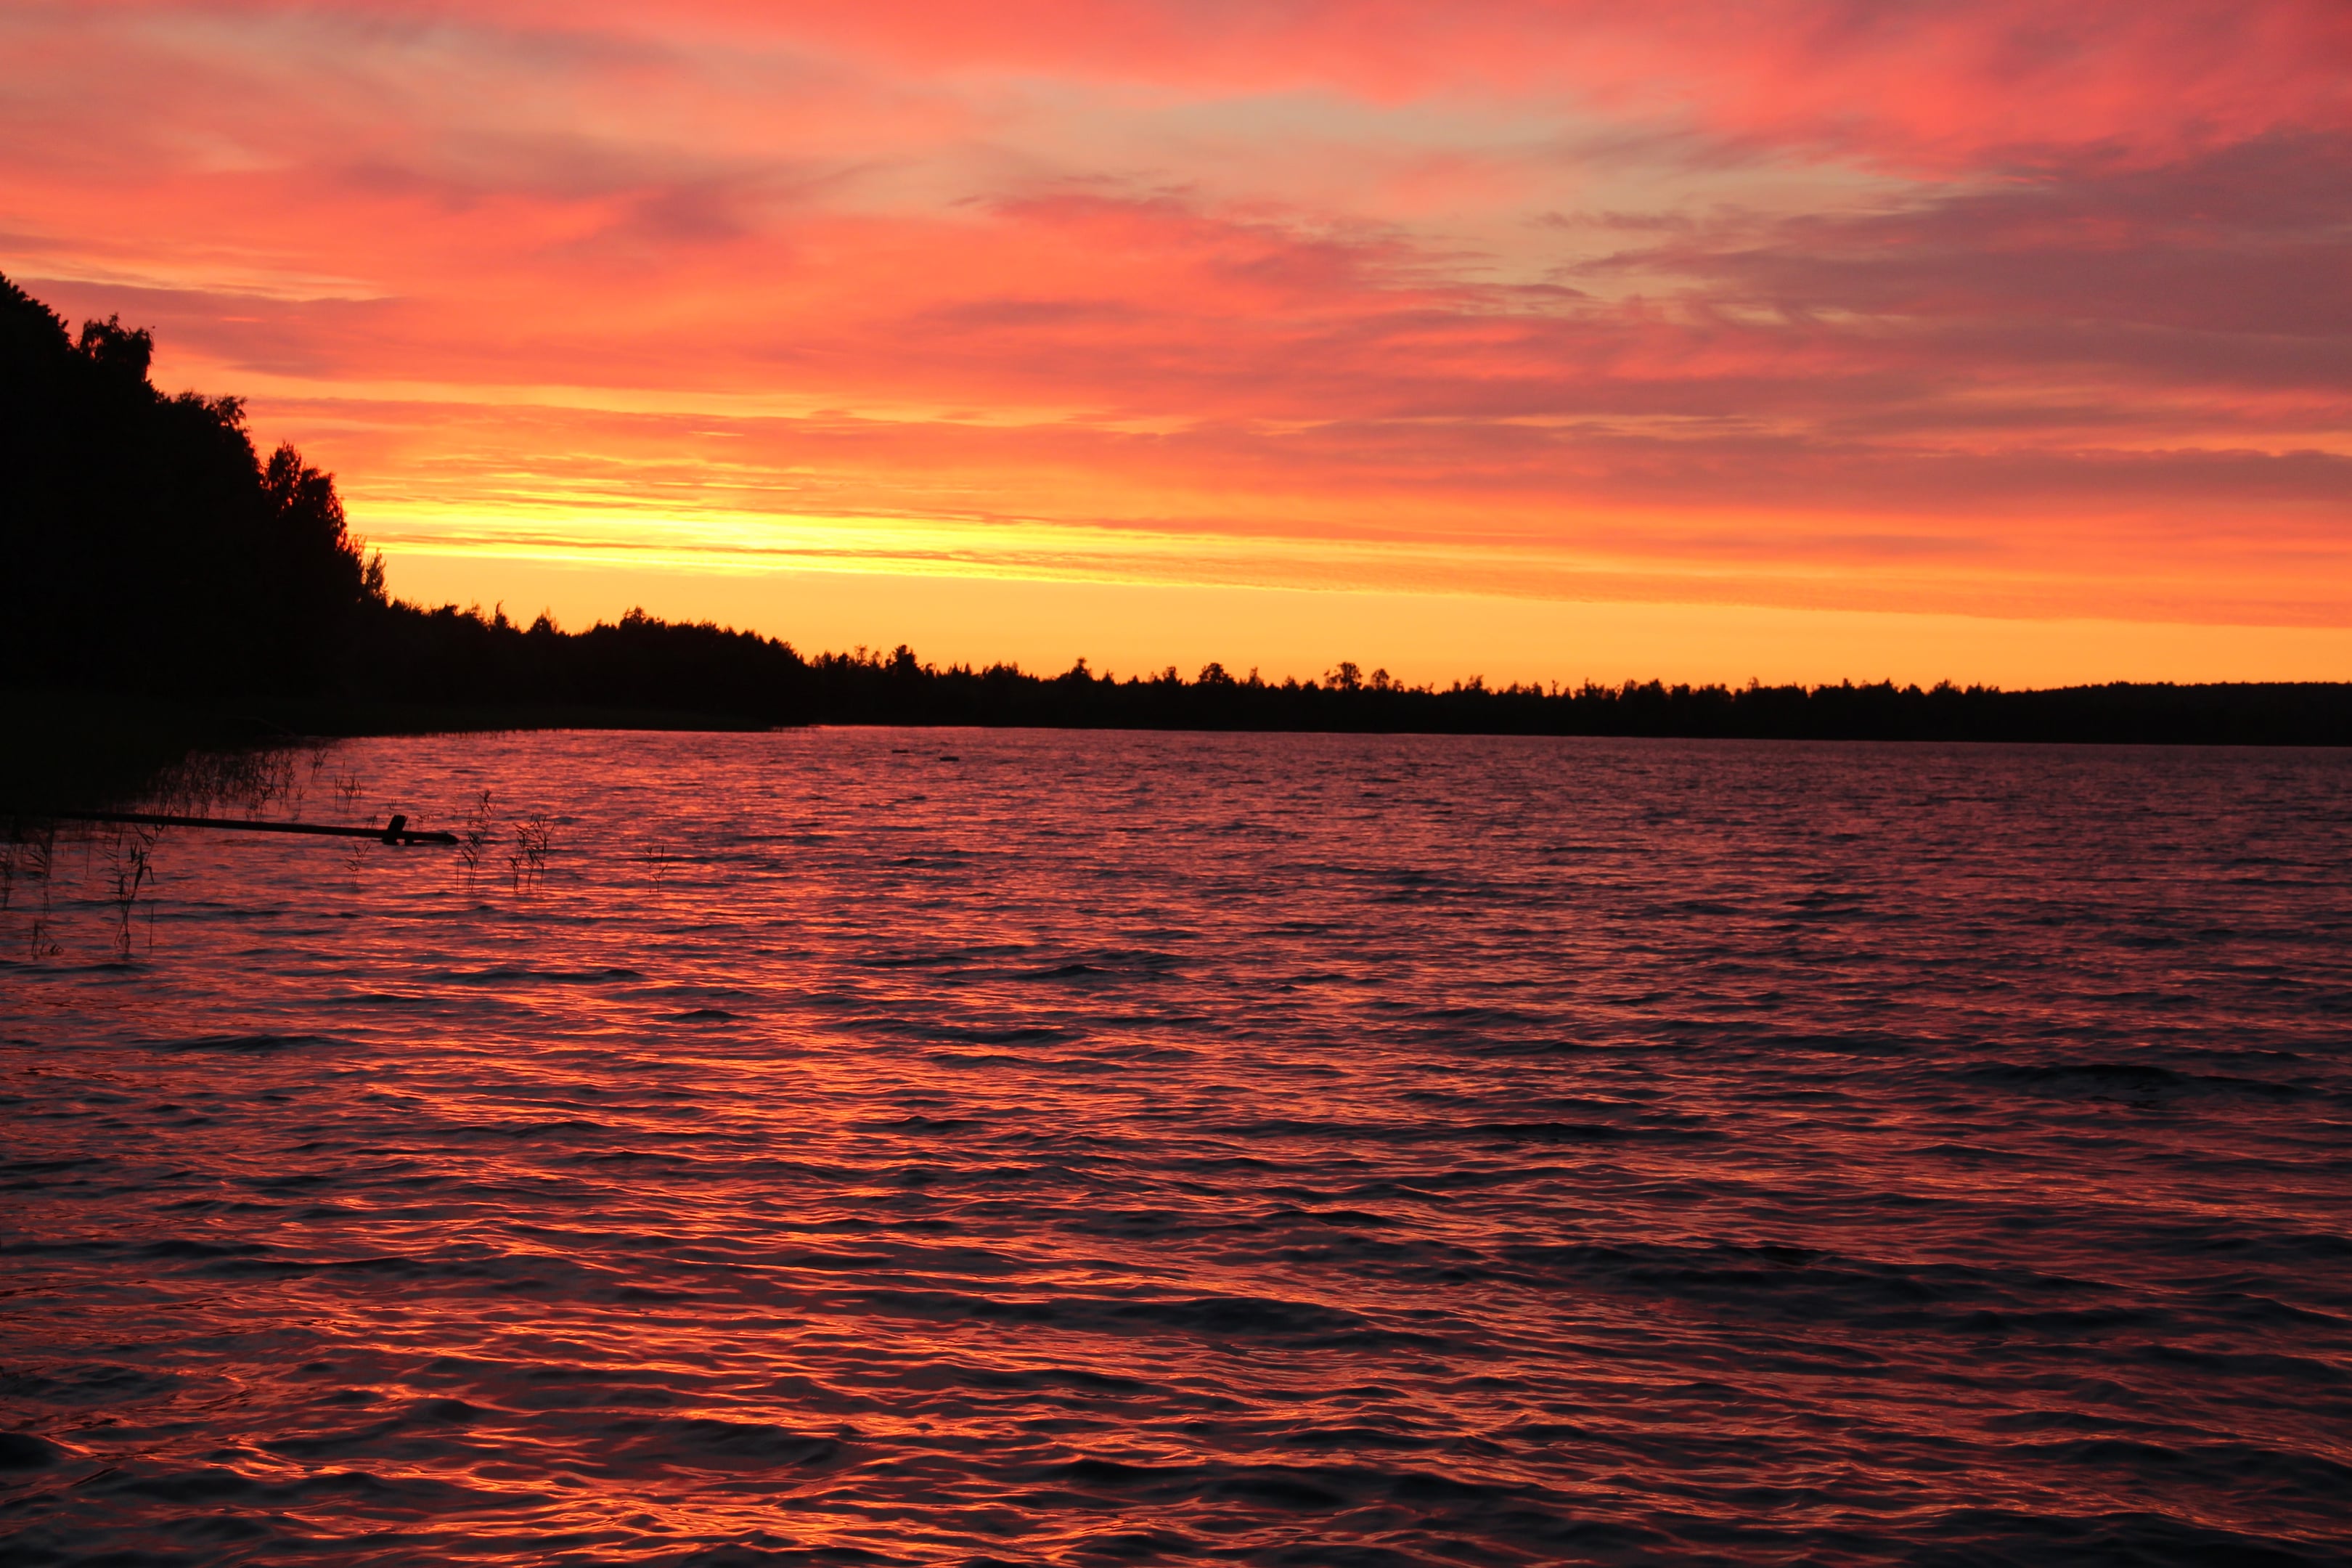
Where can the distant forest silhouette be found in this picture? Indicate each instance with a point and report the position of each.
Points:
(149, 549)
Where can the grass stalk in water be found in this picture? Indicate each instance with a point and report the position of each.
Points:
(527, 862)
(473, 838)
(131, 861)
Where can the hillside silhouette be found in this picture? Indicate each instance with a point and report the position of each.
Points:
(150, 553)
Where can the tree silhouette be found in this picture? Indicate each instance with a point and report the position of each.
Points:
(143, 543)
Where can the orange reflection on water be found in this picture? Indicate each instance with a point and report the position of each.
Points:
(1049, 1146)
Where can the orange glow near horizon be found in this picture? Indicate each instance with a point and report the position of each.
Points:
(1797, 341)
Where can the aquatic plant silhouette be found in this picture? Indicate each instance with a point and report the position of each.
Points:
(527, 863)
(38, 845)
(129, 865)
(252, 781)
(473, 838)
(657, 858)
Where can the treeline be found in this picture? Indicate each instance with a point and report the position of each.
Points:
(453, 657)
(147, 548)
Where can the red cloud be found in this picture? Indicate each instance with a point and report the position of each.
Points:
(1981, 304)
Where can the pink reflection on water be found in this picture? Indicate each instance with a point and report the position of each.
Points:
(1207, 1147)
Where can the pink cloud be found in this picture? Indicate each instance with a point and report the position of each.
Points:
(1786, 287)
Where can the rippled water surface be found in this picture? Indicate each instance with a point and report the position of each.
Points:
(889, 1146)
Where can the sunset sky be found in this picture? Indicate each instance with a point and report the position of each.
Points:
(1795, 339)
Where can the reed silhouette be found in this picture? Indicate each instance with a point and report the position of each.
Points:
(152, 554)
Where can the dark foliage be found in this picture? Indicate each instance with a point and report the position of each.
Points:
(145, 547)
(448, 656)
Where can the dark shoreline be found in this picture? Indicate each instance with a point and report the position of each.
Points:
(837, 690)
(73, 751)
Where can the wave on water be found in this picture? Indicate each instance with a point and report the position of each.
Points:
(1129, 1148)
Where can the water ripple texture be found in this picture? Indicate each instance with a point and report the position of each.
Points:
(920, 1147)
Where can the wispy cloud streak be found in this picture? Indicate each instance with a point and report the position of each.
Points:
(1980, 306)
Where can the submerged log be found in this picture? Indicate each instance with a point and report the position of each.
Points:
(396, 831)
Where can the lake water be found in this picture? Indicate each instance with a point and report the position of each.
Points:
(949, 1147)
